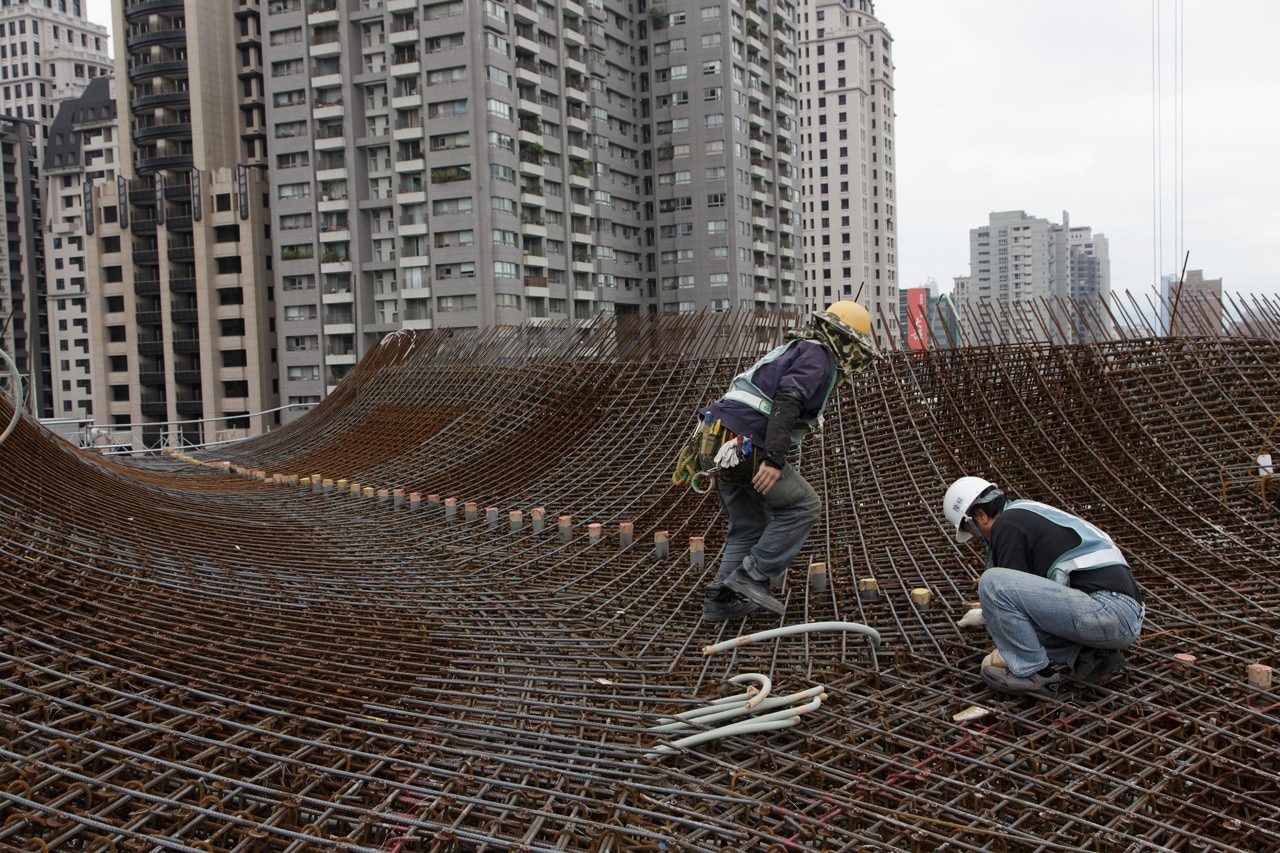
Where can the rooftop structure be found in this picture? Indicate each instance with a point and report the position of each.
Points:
(448, 608)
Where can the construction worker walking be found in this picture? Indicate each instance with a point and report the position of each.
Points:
(767, 411)
(1057, 595)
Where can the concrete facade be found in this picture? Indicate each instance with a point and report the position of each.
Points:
(850, 204)
(49, 52)
(457, 165)
(180, 296)
(82, 153)
(23, 322)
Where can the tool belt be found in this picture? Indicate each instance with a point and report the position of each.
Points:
(698, 455)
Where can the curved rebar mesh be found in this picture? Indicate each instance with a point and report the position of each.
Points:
(206, 656)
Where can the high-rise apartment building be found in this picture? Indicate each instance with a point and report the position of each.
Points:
(458, 164)
(1032, 279)
(850, 203)
(1192, 306)
(24, 333)
(81, 154)
(181, 301)
(49, 52)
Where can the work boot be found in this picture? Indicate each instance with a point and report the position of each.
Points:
(754, 591)
(1098, 666)
(721, 605)
(1044, 684)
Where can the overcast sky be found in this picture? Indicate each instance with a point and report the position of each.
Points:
(1046, 107)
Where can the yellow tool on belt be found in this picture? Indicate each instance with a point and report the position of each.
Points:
(704, 442)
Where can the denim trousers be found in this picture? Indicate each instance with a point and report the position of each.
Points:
(1034, 620)
(766, 532)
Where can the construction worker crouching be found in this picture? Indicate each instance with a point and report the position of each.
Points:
(767, 411)
(1057, 596)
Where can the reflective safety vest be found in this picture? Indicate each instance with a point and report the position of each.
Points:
(1094, 551)
(743, 390)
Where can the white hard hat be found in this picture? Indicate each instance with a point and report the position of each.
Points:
(960, 496)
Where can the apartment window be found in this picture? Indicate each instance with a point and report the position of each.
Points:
(437, 11)
(466, 302)
(447, 75)
(288, 191)
(448, 239)
(287, 129)
(505, 269)
(447, 206)
(443, 109)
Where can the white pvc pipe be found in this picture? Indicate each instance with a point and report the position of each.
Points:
(764, 722)
(716, 713)
(804, 627)
(17, 395)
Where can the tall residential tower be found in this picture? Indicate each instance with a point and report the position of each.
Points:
(850, 203)
(458, 164)
(181, 297)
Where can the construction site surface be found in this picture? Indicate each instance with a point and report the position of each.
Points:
(447, 609)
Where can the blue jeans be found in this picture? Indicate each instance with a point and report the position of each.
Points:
(766, 532)
(1034, 620)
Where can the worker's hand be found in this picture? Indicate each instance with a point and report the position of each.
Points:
(765, 478)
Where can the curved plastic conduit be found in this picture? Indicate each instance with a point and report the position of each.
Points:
(804, 627)
(17, 395)
(764, 722)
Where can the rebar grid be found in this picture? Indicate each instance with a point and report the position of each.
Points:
(207, 656)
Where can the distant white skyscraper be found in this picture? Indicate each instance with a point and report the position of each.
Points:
(850, 204)
(1032, 279)
(49, 53)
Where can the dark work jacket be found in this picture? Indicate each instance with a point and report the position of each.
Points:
(1028, 542)
(805, 366)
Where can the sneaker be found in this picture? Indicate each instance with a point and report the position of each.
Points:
(721, 605)
(994, 659)
(1043, 684)
(1098, 666)
(754, 591)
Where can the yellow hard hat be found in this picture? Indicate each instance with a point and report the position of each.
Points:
(847, 315)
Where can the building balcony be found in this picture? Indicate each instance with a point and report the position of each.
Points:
(173, 130)
(184, 315)
(155, 408)
(191, 408)
(154, 37)
(145, 8)
(186, 345)
(182, 285)
(172, 161)
(149, 318)
(147, 287)
(524, 12)
(325, 48)
(177, 68)
(408, 35)
(151, 347)
(406, 69)
(527, 72)
(151, 377)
